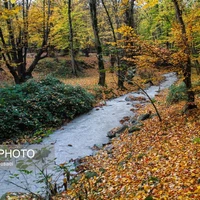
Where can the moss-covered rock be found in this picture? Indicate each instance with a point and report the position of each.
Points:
(134, 129)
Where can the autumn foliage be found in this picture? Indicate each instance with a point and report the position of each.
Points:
(161, 161)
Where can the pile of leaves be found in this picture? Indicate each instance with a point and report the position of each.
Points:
(161, 161)
(27, 108)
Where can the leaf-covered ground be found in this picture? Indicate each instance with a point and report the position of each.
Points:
(161, 161)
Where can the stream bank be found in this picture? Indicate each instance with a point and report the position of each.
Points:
(77, 138)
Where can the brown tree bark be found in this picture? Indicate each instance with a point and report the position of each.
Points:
(15, 59)
(74, 70)
(114, 56)
(129, 18)
(187, 66)
(129, 21)
(93, 13)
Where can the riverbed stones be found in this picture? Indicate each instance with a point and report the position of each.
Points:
(101, 104)
(112, 132)
(133, 109)
(133, 119)
(144, 116)
(129, 98)
(133, 124)
(117, 130)
(108, 148)
(97, 147)
(148, 84)
(124, 119)
(140, 99)
(134, 129)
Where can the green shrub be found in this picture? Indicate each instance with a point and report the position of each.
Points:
(29, 107)
(177, 93)
(59, 69)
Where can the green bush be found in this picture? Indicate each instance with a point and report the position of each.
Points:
(32, 106)
(177, 93)
(60, 69)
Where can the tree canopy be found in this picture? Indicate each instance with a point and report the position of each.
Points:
(166, 29)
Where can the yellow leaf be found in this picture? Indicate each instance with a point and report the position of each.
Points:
(64, 180)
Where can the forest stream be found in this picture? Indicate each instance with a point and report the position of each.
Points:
(76, 139)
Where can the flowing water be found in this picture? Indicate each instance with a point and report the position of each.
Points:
(77, 138)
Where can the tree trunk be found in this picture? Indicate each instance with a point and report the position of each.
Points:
(129, 18)
(74, 71)
(37, 58)
(188, 66)
(102, 74)
(113, 58)
(46, 30)
(129, 21)
(120, 82)
(15, 47)
(110, 21)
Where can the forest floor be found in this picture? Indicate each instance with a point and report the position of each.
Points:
(88, 76)
(90, 79)
(161, 161)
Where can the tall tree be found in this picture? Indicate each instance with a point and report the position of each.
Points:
(116, 51)
(186, 49)
(110, 21)
(14, 37)
(128, 12)
(112, 54)
(82, 30)
(74, 71)
(93, 12)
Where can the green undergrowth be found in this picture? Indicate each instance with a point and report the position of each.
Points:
(56, 68)
(177, 93)
(60, 68)
(28, 108)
